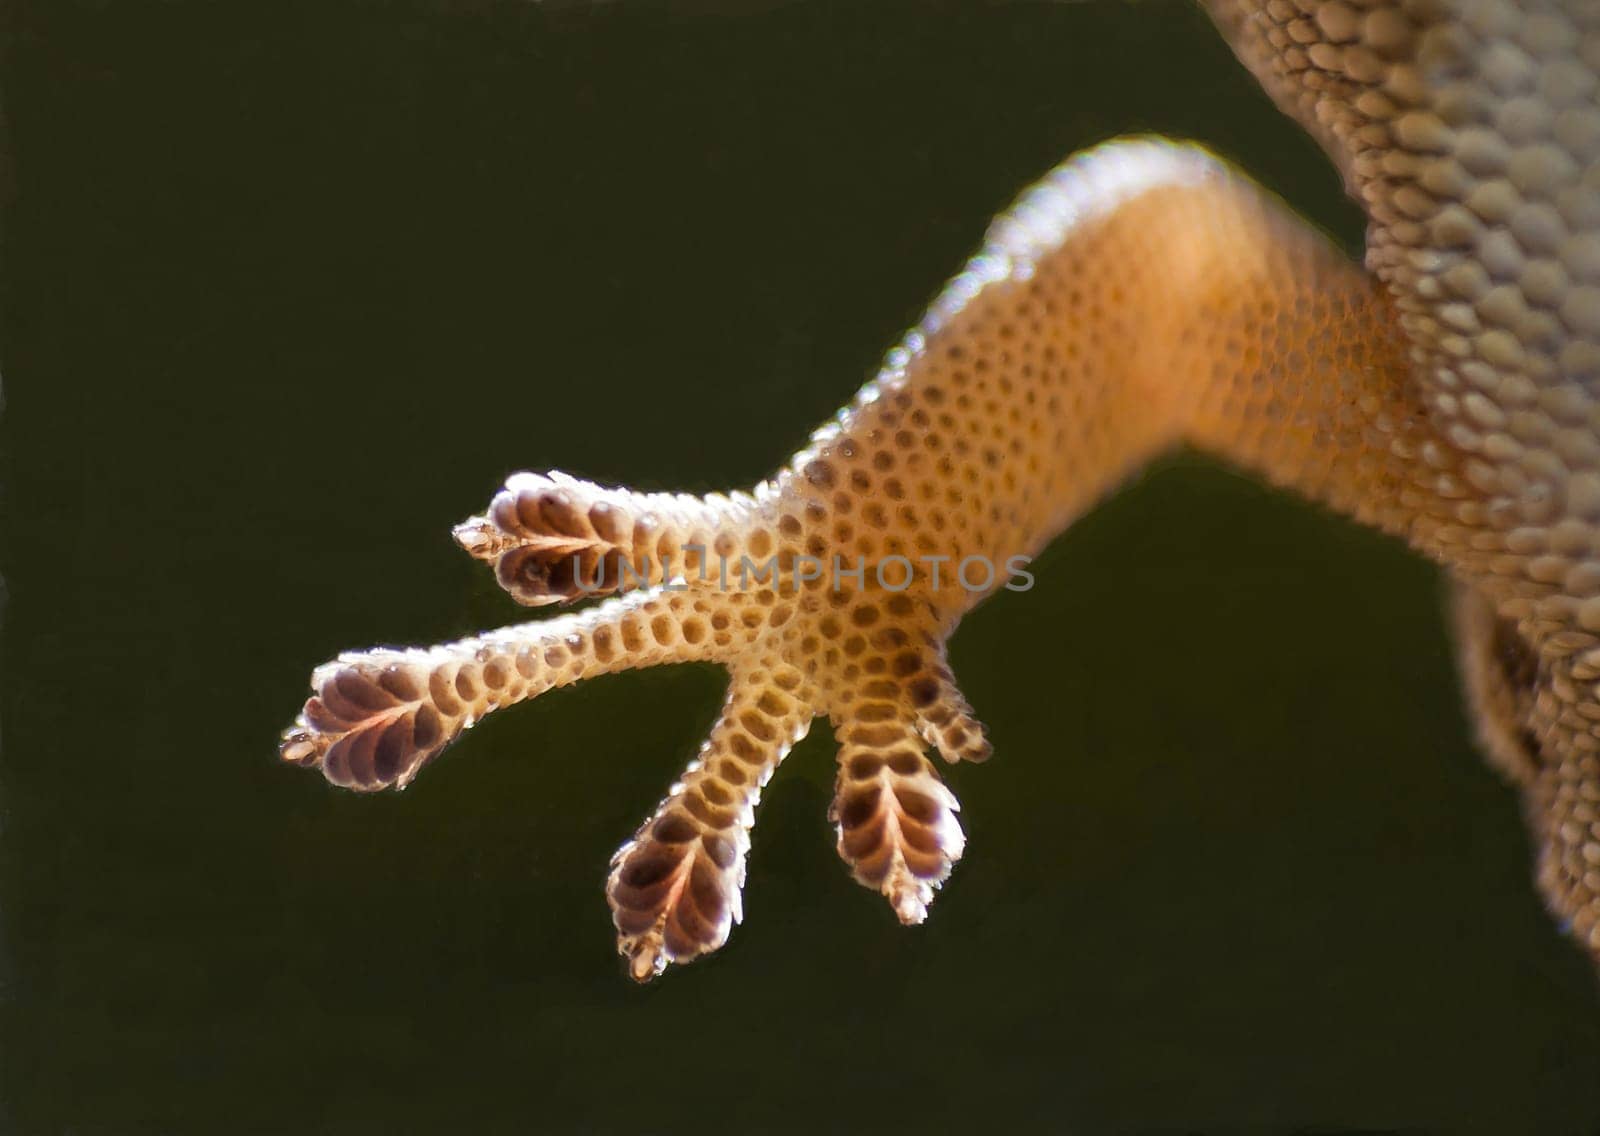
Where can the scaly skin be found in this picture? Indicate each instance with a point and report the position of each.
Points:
(1141, 297)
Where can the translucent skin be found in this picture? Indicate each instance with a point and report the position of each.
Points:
(1142, 296)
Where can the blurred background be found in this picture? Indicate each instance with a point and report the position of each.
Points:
(289, 288)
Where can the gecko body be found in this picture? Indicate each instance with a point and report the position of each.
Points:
(1143, 296)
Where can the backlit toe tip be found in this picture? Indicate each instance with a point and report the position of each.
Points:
(478, 538)
(909, 898)
(645, 956)
(300, 747)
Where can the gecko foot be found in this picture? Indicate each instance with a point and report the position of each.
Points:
(796, 644)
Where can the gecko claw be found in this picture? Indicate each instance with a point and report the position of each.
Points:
(645, 957)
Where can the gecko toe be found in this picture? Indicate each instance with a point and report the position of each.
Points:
(894, 819)
(674, 889)
(945, 719)
(551, 539)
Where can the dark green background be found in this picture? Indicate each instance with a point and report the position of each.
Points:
(290, 287)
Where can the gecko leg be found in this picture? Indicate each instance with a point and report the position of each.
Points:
(1141, 297)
